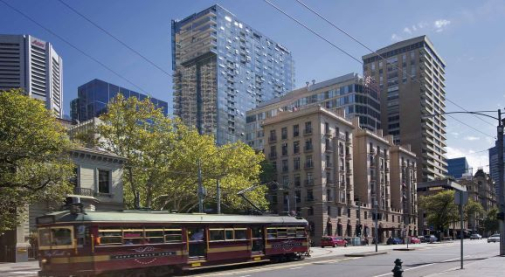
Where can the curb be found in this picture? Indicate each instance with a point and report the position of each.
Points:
(366, 254)
(404, 249)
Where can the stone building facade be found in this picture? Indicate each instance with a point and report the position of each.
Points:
(329, 171)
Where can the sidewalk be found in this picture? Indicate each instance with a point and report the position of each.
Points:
(318, 252)
(6, 268)
(494, 266)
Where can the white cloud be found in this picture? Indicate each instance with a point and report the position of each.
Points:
(441, 24)
(455, 134)
(475, 160)
(471, 138)
(395, 37)
(407, 30)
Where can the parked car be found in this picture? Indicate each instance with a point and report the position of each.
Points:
(392, 240)
(475, 236)
(333, 241)
(414, 240)
(494, 238)
(430, 238)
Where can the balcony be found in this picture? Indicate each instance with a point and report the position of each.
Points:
(85, 192)
(328, 148)
(296, 133)
(309, 165)
(307, 132)
(272, 156)
(308, 148)
(309, 199)
(349, 172)
(309, 183)
(327, 132)
(272, 139)
(348, 157)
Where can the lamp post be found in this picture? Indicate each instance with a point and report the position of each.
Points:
(501, 189)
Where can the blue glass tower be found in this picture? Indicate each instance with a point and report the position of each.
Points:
(93, 97)
(457, 167)
(223, 68)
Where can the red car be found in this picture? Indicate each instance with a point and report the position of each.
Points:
(333, 241)
(414, 240)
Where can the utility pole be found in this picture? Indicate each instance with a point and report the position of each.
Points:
(218, 197)
(376, 224)
(501, 197)
(200, 188)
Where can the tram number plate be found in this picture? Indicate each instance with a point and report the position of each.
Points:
(196, 264)
(257, 258)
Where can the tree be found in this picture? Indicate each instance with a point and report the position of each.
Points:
(473, 212)
(164, 157)
(440, 209)
(491, 221)
(34, 161)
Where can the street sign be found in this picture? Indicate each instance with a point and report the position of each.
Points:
(461, 199)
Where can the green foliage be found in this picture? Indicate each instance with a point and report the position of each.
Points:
(473, 210)
(164, 156)
(491, 221)
(440, 209)
(34, 162)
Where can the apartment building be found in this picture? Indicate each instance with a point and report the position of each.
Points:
(326, 173)
(410, 74)
(33, 65)
(223, 68)
(349, 93)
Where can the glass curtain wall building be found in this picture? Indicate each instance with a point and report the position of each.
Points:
(223, 68)
(32, 64)
(349, 93)
(410, 74)
(93, 97)
(457, 167)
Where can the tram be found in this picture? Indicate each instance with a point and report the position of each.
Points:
(149, 243)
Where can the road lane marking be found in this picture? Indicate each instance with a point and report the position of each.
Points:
(296, 267)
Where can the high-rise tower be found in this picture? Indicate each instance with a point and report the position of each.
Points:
(33, 65)
(410, 74)
(223, 68)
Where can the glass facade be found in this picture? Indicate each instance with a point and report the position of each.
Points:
(457, 167)
(93, 97)
(349, 93)
(222, 69)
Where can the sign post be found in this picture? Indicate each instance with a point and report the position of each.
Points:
(461, 198)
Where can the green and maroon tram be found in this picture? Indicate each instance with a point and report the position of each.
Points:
(147, 243)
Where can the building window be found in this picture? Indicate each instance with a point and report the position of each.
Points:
(366, 215)
(103, 181)
(311, 211)
(348, 213)
(328, 210)
(339, 211)
(74, 180)
(284, 133)
(296, 147)
(296, 130)
(296, 163)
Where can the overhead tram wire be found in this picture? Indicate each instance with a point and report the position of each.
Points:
(71, 45)
(379, 55)
(340, 49)
(471, 127)
(312, 31)
(115, 38)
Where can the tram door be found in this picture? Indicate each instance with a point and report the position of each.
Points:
(258, 244)
(197, 244)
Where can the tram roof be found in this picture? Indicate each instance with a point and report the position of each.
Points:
(164, 217)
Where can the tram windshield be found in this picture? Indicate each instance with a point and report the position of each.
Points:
(60, 237)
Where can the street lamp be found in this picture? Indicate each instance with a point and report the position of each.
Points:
(501, 189)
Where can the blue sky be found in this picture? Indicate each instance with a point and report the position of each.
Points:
(467, 34)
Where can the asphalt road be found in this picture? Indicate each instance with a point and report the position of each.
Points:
(421, 262)
(425, 261)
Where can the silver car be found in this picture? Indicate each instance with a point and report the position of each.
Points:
(494, 238)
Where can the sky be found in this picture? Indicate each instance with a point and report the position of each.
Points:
(468, 35)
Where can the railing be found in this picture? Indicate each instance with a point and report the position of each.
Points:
(308, 148)
(309, 165)
(273, 155)
(272, 139)
(309, 183)
(85, 192)
(307, 131)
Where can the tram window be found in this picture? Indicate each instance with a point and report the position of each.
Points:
(195, 234)
(291, 232)
(300, 232)
(173, 235)
(154, 235)
(110, 236)
(282, 233)
(56, 236)
(257, 232)
(272, 233)
(229, 234)
(240, 234)
(133, 236)
(216, 234)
